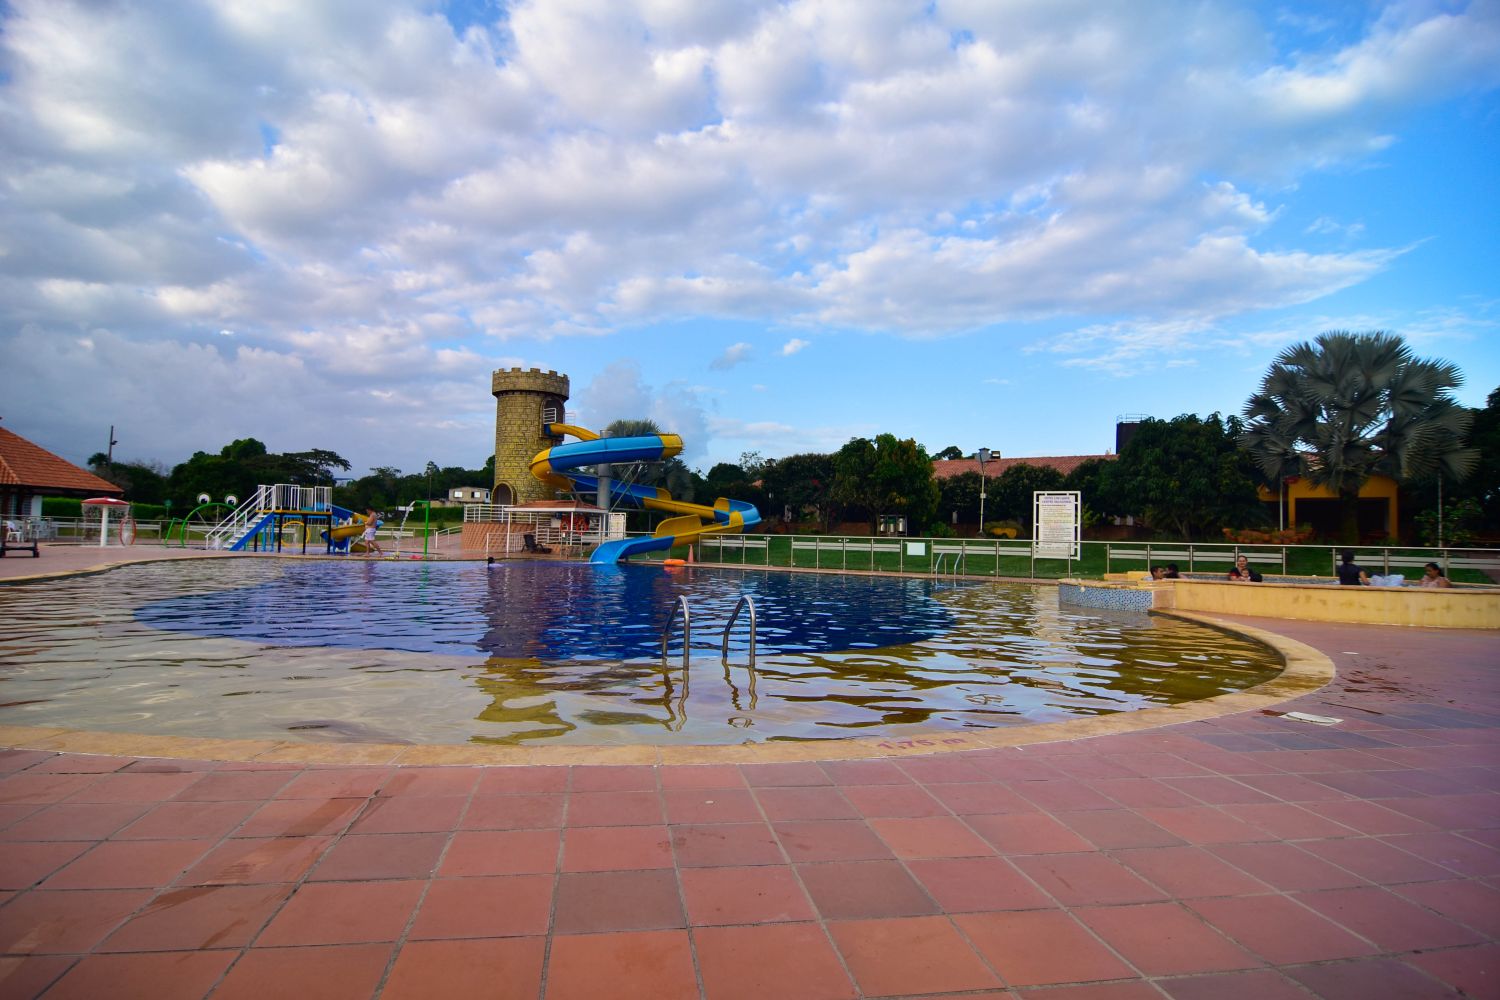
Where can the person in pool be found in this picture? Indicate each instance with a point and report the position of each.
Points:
(1432, 576)
(1351, 575)
(1242, 573)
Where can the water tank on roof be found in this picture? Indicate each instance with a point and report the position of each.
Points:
(1125, 428)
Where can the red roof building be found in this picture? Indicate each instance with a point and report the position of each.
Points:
(29, 472)
(947, 468)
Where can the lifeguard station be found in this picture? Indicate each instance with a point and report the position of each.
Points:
(260, 523)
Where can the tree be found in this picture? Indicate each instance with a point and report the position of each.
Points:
(1351, 405)
(1419, 499)
(723, 478)
(143, 482)
(1483, 484)
(670, 474)
(754, 464)
(949, 453)
(1010, 493)
(726, 479)
(242, 449)
(886, 476)
(802, 482)
(1187, 474)
(217, 475)
(959, 495)
(1091, 479)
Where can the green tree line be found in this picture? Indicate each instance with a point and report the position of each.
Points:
(1336, 410)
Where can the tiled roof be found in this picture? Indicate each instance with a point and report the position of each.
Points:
(25, 464)
(949, 467)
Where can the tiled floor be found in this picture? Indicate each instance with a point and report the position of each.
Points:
(1243, 856)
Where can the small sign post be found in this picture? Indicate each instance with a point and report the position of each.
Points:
(1056, 526)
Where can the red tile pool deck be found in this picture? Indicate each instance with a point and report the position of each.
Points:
(1241, 856)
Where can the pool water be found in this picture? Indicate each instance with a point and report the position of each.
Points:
(570, 653)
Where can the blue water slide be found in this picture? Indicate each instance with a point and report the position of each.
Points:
(557, 466)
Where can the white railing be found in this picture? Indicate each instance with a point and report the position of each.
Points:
(280, 496)
(285, 496)
(244, 517)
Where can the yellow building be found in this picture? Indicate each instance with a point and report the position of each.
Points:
(525, 402)
(1303, 503)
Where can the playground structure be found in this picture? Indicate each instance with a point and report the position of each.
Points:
(282, 512)
(201, 519)
(556, 467)
(261, 522)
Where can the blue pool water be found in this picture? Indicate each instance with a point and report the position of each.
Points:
(565, 611)
(529, 652)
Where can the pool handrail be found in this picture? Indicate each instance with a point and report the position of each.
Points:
(744, 602)
(687, 630)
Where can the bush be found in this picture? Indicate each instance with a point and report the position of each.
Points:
(71, 507)
(1460, 523)
(1299, 535)
(937, 529)
(62, 507)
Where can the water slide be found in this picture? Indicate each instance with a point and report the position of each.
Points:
(556, 467)
(346, 534)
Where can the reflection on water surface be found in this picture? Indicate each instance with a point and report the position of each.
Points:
(568, 652)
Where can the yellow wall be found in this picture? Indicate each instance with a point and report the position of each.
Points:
(1457, 608)
(1375, 488)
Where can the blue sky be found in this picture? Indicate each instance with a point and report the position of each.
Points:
(768, 226)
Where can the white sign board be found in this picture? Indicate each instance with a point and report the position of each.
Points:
(916, 548)
(1057, 524)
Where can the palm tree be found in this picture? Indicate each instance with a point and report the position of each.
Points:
(670, 474)
(1350, 405)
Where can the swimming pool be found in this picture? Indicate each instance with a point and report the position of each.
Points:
(569, 653)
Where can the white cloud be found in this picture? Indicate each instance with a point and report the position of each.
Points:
(1325, 226)
(358, 193)
(621, 392)
(734, 354)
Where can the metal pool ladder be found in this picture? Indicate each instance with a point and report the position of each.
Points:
(958, 564)
(687, 630)
(743, 602)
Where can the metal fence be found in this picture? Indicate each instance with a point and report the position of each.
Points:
(1017, 558)
(949, 556)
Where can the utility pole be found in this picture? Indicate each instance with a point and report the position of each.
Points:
(109, 454)
(983, 456)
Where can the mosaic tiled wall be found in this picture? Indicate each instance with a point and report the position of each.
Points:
(1113, 598)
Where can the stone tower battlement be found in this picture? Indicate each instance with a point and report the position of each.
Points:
(524, 400)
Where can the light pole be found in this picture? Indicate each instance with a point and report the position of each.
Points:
(983, 456)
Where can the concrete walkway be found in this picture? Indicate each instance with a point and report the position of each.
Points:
(1243, 856)
(53, 559)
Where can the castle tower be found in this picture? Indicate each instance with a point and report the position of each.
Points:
(524, 401)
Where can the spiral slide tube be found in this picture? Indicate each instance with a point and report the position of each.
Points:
(556, 467)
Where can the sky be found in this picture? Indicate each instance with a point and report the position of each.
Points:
(768, 226)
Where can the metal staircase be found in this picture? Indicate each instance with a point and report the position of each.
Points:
(236, 530)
